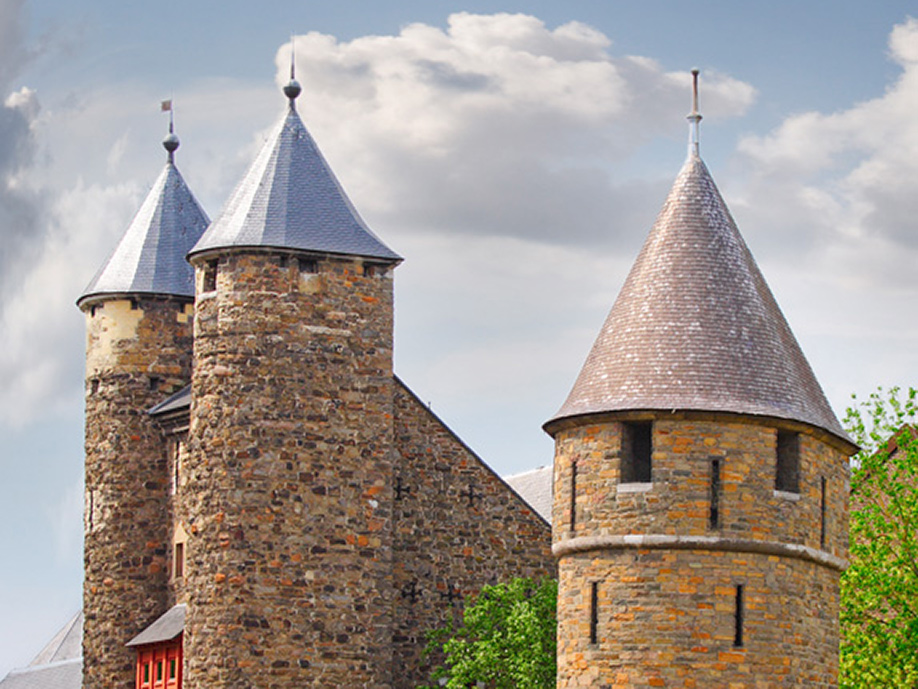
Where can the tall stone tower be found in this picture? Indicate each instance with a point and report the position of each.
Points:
(139, 315)
(287, 494)
(701, 478)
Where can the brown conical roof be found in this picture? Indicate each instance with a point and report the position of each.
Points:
(696, 328)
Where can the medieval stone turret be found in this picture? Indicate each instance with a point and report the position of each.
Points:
(139, 315)
(288, 497)
(700, 490)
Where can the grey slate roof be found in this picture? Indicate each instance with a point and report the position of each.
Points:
(176, 401)
(290, 199)
(696, 328)
(167, 626)
(535, 487)
(150, 258)
(58, 665)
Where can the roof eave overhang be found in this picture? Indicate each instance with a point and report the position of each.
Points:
(208, 253)
(97, 297)
(840, 443)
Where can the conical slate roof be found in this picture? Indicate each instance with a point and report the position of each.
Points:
(150, 258)
(290, 199)
(696, 328)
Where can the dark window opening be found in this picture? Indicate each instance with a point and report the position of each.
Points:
(636, 452)
(155, 382)
(822, 514)
(92, 310)
(210, 277)
(738, 618)
(282, 261)
(134, 305)
(594, 612)
(94, 386)
(308, 265)
(179, 561)
(714, 515)
(787, 474)
(573, 495)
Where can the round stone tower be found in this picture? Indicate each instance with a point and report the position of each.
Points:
(139, 316)
(701, 478)
(288, 497)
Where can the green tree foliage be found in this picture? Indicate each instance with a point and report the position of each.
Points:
(879, 591)
(506, 641)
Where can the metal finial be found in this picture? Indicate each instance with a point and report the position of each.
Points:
(292, 89)
(694, 117)
(171, 142)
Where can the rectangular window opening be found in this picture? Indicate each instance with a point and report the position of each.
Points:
(714, 515)
(637, 447)
(822, 513)
(738, 618)
(594, 612)
(172, 669)
(210, 277)
(308, 266)
(787, 473)
(179, 561)
(573, 495)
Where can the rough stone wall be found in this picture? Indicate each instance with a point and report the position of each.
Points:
(667, 608)
(287, 491)
(136, 354)
(458, 526)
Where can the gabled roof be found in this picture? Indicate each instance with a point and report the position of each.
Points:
(67, 644)
(696, 328)
(150, 258)
(59, 665)
(535, 487)
(290, 199)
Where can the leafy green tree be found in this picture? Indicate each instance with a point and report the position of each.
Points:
(879, 591)
(506, 640)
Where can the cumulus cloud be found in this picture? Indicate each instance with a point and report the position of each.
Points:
(495, 125)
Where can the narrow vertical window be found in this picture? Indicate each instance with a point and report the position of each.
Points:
(308, 266)
(573, 495)
(179, 560)
(90, 507)
(714, 514)
(637, 446)
(787, 473)
(822, 513)
(594, 612)
(210, 277)
(738, 618)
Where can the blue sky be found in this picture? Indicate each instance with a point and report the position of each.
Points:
(516, 155)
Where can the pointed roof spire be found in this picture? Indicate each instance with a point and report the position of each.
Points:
(150, 258)
(292, 88)
(291, 199)
(695, 327)
(694, 117)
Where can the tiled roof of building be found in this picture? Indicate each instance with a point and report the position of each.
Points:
(696, 328)
(535, 487)
(150, 258)
(58, 665)
(291, 199)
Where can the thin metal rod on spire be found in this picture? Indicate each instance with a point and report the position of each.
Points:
(694, 117)
(292, 57)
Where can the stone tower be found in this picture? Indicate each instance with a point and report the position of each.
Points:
(701, 478)
(287, 494)
(139, 315)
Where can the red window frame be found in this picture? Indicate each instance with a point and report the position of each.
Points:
(159, 666)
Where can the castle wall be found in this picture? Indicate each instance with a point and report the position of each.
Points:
(137, 353)
(457, 527)
(666, 578)
(287, 493)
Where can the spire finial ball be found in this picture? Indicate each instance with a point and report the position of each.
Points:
(171, 142)
(292, 89)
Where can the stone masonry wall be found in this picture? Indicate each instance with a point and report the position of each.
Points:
(458, 526)
(665, 613)
(287, 491)
(136, 354)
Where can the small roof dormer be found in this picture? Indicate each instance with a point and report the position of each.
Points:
(150, 258)
(291, 200)
(695, 327)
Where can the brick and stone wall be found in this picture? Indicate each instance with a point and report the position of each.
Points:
(666, 577)
(288, 494)
(137, 353)
(458, 526)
